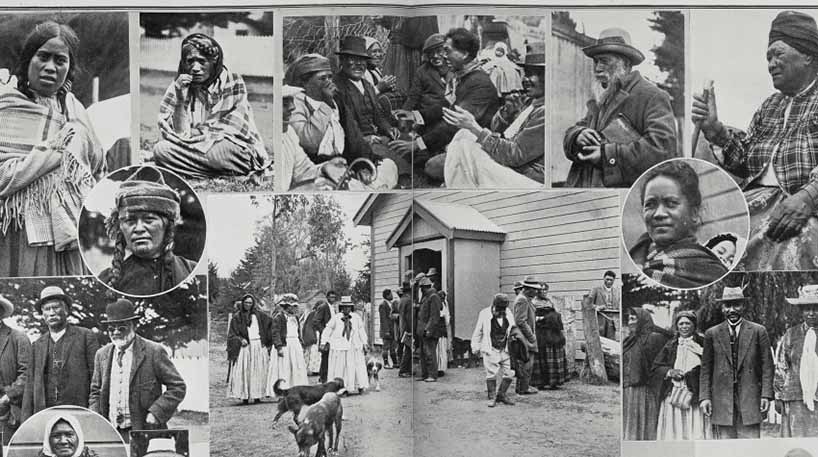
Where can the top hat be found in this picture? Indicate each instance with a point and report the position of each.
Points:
(8, 307)
(434, 41)
(531, 281)
(617, 41)
(50, 292)
(535, 55)
(732, 294)
(807, 295)
(122, 310)
(353, 46)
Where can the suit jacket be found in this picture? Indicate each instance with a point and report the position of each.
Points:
(429, 320)
(607, 327)
(151, 369)
(385, 315)
(754, 372)
(405, 309)
(80, 345)
(524, 316)
(648, 111)
(427, 94)
(15, 357)
(351, 105)
(322, 316)
(476, 94)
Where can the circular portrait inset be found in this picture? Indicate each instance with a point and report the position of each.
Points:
(142, 231)
(685, 223)
(66, 431)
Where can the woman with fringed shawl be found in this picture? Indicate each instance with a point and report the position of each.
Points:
(249, 342)
(676, 369)
(143, 225)
(668, 252)
(205, 117)
(50, 158)
(640, 405)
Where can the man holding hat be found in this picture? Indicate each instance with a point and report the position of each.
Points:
(62, 360)
(144, 224)
(796, 374)
(427, 94)
(525, 319)
(736, 379)
(287, 358)
(512, 152)
(490, 339)
(129, 375)
(778, 154)
(628, 129)
(15, 357)
(346, 339)
(430, 328)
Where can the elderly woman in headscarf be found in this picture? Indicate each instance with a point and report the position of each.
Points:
(639, 350)
(50, 158)
(249, 342)
(63, 437)
(677, 368)
(205, 117)
(143, 225)
(287, 363)
(504, 73)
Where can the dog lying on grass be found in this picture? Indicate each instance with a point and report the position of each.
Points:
(317, 427)
(296, 397)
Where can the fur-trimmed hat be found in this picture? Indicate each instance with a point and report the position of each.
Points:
(145, 190)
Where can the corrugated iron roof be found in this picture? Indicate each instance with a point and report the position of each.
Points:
(460, 217)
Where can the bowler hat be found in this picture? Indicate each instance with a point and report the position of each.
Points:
(616, 41)
(122, 310)
(532, 282)
(732, 294)
(434, 41)
(807, 295)
(145, 190)
(8, 307)
(50, 292)
(353, 46)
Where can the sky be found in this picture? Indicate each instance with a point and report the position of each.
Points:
(635, 22)
(234, 218)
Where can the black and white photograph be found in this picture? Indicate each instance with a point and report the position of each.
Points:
(142, 231)
(756, 119)
(616, 94)
(729, 361)
(78, 344)
(397, 102)
(684, 224)
(160, 443)
(64, 121)
(206, 95)
(66, 431)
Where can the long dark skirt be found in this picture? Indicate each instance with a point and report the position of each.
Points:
(641, 414)
(550, 366)
(18, 259)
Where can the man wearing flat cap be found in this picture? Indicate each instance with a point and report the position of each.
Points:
(736, 378)
(15, 356)
(525, 319)
(130, 375)
(628, 129)
(777, 157)
(143, 224)
(427, 94)
(796, 374)
(62, 360)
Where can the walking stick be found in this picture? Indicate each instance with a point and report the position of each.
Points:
(229, 369)
(697, 130)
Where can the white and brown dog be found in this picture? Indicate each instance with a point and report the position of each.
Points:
(373, 369)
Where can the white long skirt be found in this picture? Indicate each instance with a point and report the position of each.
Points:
(350, 366)
(248, 376)
(290, 367)
(682, 424)
(313, 358)
(442, 353)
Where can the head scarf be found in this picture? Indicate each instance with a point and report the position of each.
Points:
(369, 41)
(644, 327)
(73, 422)
(688, 314)
(209, 48)
(797, 30)
(504, 47)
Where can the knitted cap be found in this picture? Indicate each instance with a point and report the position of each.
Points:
(145, 190)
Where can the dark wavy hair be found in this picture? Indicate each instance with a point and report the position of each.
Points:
(35, 40)
(684, 175)
(464, 41)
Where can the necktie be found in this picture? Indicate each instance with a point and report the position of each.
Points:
(347, 327)
(119, 354)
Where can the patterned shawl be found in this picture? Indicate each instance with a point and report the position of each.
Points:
(684, 264)
(48, 162)
(230, 117)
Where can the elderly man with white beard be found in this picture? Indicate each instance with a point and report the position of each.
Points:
(130, 370)
(629, 128)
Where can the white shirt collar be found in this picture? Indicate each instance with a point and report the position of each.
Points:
(55, 336)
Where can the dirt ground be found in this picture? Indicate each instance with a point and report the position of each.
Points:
(448, 418)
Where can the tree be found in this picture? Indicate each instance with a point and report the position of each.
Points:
(670, 55)
(162, 25)
(362, 288)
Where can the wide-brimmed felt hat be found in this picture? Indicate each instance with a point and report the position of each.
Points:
(732, 294)
(617, 41)
(432, 272)
(532, 282)
(145, 190)
(518, 285)
(353, 46)
(51, 292)
(122, 310)
(424, 281)
(434, 41)
(807, 295)
(535, 55)
(7, 307)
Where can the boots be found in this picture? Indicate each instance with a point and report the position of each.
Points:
(501, 392)
(491, 386)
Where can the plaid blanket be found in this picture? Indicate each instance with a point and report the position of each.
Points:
(49, 161)
(229, 117)
(685, 264)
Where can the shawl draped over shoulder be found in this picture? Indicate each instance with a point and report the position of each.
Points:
(683, 264)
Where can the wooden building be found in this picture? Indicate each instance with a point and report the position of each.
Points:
(482, 242)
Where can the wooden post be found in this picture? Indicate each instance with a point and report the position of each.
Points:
(593, 348)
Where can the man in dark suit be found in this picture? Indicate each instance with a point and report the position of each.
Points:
(405, 313)
(62, 360)
(323, 313)
(15, 354)
(606, 298)
(736, 381)
(429, 329)
(129, 373)
(470, 88)
(387, 330)
(427, 95)
(524, 319)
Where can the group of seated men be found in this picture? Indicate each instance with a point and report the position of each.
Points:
(452, 126)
